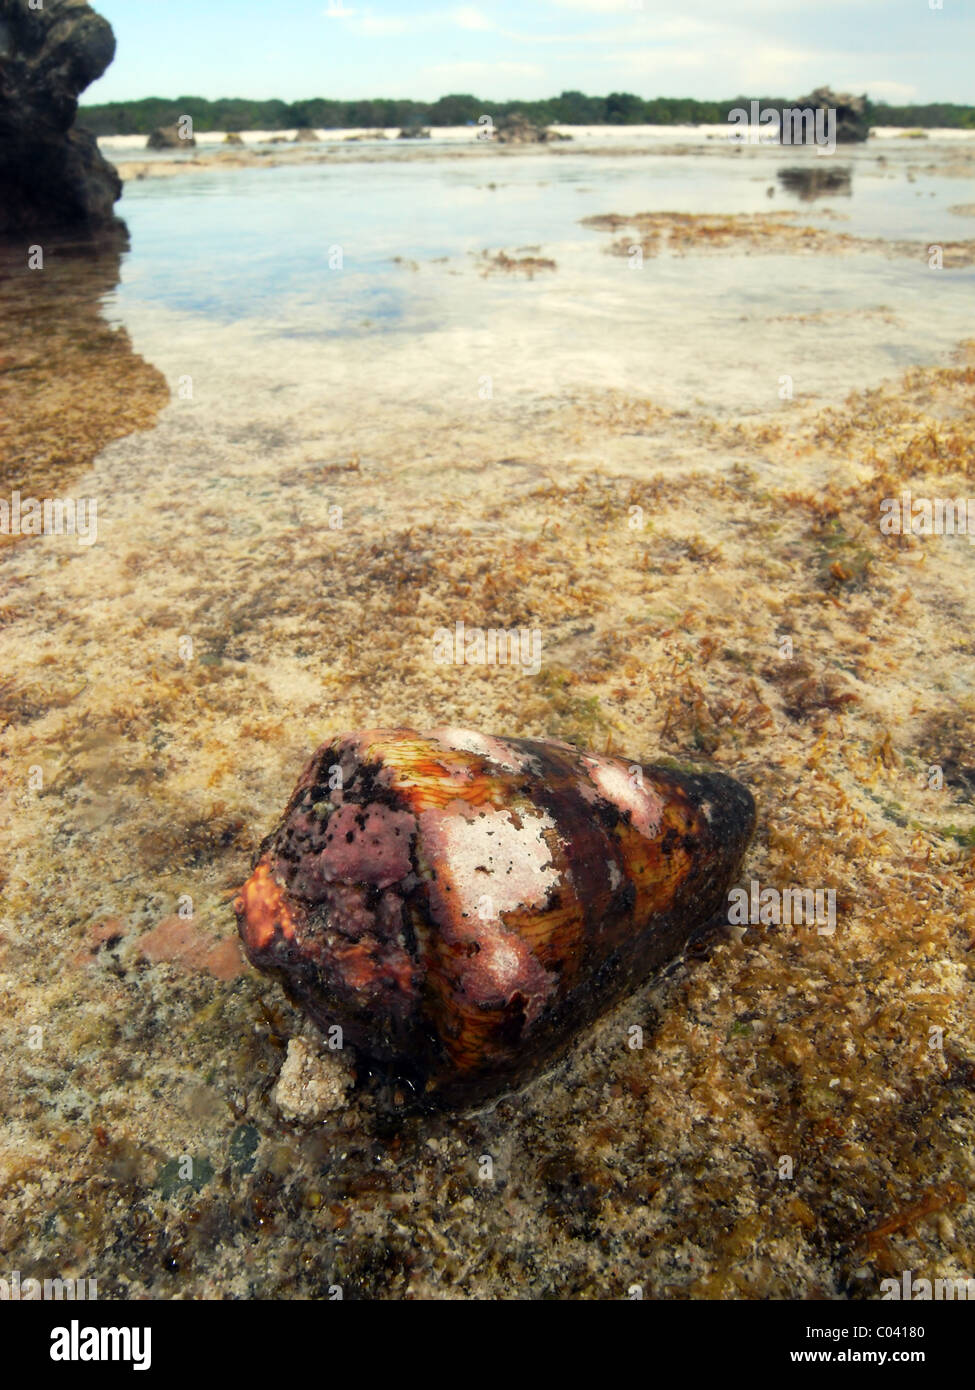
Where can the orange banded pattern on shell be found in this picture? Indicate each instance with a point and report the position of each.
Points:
(463, 904)
(429, 775)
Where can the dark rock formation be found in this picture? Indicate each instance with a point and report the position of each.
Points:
(414, 132)
(304, 135)
(519, 129)
(52, 174)
(232, 138)
(851, 122)
(167, 137)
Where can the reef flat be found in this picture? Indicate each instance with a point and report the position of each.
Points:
(270, 571)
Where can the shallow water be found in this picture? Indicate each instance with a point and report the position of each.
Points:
(252, 249)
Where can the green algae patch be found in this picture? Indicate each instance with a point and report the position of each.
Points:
(184, 1174)
(243, 1145)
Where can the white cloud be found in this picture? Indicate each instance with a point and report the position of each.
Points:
(711, 12)
(460, 17)
(699, 47)
(648, 61)
(894, 92)
(486, 71)
(382, 25)
(599, 6)
(469, 17)
(736, 62)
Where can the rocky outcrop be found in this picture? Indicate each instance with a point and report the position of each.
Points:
(232, 138)
(519, 129)
(52, 175)
(414, 132)
(304, 135)
(851, 122)
(168, 137)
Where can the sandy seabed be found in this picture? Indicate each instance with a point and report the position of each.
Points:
(799, 1120)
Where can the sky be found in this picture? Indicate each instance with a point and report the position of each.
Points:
(895, 50)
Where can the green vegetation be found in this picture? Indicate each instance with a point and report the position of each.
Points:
(171, 1179)
(579, 719)
(965, 838)
(571, 108)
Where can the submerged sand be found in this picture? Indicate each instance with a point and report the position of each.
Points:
(799, 1120)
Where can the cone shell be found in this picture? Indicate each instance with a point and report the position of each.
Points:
(462, 905)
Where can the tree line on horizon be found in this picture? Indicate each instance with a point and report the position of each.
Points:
(571, 108)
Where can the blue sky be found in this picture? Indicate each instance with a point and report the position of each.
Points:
(896, 50)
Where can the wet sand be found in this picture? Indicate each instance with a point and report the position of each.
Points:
(852, 1054)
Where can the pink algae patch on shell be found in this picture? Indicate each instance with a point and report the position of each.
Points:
(176, 940)
(368, 844)
(614, 782)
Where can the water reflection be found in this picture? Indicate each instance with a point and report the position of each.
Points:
(817, 182)
(69, 382)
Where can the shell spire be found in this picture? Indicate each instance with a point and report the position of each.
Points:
(463, 905)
